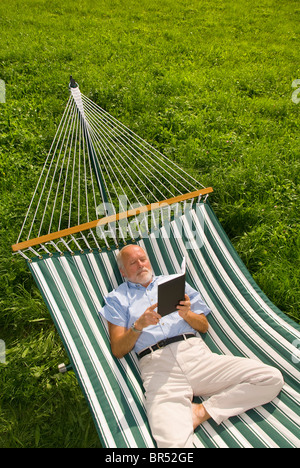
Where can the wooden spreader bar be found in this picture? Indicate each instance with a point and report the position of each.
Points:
(108, 219)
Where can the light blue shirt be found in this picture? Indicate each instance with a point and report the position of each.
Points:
(128, 302)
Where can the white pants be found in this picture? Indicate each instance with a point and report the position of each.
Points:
(173, 375)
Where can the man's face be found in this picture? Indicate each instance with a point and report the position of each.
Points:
(136, 265)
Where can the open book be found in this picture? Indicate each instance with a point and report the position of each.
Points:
(171, 292)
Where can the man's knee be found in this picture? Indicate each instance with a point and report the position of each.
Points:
(274, 380)
(278, 380)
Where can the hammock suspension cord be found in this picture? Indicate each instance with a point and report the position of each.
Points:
(94, 164)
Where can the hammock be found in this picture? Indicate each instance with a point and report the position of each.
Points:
(70, 237)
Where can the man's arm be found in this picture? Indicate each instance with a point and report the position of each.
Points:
(197, 321)
(122, 340)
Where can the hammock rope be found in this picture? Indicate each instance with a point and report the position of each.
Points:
(98, 166)
(120, 139)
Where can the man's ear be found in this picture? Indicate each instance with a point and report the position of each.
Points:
(122, 271)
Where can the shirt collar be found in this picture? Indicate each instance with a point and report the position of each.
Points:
(139, 286)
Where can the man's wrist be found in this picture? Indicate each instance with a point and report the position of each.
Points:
(188, 316)
(135, 329)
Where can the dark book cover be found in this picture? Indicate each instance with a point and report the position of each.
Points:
(170, 293)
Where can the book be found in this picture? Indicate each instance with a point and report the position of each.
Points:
(171, 292)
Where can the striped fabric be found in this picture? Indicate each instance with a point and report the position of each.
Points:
(243, 322)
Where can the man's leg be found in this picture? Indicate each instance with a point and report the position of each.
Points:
(170, 420)
(235, 385)
(168, 400)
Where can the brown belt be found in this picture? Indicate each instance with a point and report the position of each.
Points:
(166, 342)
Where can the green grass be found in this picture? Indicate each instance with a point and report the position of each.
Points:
(208, 82)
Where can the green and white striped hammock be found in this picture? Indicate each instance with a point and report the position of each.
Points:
(96, 161)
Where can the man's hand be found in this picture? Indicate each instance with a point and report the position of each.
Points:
(184, 307)
(149, 317)
(197, 321)
(123, 340)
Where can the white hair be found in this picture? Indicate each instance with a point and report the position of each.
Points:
(120, 254)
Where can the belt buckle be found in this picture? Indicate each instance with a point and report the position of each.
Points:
(161, 344)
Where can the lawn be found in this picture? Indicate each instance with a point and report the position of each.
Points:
(208, 83)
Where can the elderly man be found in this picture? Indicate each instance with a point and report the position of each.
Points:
(180, 367)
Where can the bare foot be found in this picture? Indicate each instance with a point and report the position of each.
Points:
(199, 414)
